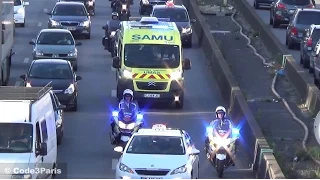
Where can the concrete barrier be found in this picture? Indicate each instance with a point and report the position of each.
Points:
(264, 164)
(298, 77)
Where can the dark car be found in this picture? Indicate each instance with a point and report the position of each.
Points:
(89, 4)
(179, 15)
(258, 3)
(56, 44)
(72, 16)
(281, 11)
(307, 45)
(58, 114)
(299, 25)
(63, 79)
(146, 6)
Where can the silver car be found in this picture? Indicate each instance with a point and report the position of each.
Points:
(56, 44)
(282, 10)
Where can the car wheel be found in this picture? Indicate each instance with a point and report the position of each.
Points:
(59, 139)
(275, 24)
(290, 45)
(311, 70)
(188, 44)
(75, 105)
(270, 19)
(315, 80)
(179, 105)
(75, 67)
(88, 36)
(306, 64)
(301, 60)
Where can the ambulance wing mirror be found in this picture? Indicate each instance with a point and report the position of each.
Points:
(116, 63)
(187, 64)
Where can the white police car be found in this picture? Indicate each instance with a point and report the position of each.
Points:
(158, 153)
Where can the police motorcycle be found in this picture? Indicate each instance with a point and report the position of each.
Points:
(221, 150)
(126, 123)
(109, 40)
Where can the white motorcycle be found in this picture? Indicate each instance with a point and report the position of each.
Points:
(124, 128)
(221, 151)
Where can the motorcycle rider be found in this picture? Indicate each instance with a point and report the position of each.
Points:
(127, 105)
(112, 25)
(222, 126)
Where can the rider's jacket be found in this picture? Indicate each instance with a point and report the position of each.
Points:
(221, 125)
(128, 107)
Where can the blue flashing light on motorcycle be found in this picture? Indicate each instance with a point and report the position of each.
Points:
(236, 131)
(209, 130)
(139, 117)
(115, 113)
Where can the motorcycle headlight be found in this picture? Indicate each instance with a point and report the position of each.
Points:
(72, 53)
(85, 23)
(124, 6)
(28, 84)
(122, 125)
(131, 126)
(113, 33)
(124, 168)
(55, 23)
(21, 176)
(20, 11)
(70, 89)
(176, 75)
(39, 53)
(127, 74)
(180, 170)
(186, 30)
(145, 1)
(90, 3)
(222, 142)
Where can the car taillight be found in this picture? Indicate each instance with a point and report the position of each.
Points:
(309, 42)
(281, 6)
(294, 31)
(310, 6)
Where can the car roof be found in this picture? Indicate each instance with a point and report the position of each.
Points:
(315, 26)
(152, 132)
(165, 7)
(55, 30)
(70, 3)
(51, 61)
(308, 9)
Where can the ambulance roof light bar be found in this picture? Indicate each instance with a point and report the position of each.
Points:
(170, 3)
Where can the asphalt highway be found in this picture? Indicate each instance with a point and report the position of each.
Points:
(280, 33)
(86, 148)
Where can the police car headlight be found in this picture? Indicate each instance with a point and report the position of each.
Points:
(21, 176)
(113, 33)
(125, 168)
(175, 75)
(71, 54)
(180, 170)
(85, 23)
(122, 125)
(70, 89)
(127, 74)
(186, 30)
(54, 23)
(145, 1)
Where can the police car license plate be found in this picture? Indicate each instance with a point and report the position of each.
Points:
(152, 95)
(71, 28)
(151, 178)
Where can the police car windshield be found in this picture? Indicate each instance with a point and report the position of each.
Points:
(169, 145)
(69, 10)
(151, 56)
(175, 15)
(50, 71)
(55, 38)
(15, 138)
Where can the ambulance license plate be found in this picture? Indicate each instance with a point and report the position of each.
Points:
(152, 95)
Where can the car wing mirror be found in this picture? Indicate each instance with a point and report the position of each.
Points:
(61, 106)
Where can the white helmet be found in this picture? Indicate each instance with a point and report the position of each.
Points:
(128, 92)
(221, 109)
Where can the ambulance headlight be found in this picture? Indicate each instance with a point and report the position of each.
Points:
(186, 30)
(176, 75)
(127, 74)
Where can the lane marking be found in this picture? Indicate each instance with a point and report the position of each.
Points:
(113, 93)
(114, 164)
(26, 60)
(18, 83)
(113, 69)
(213, 31)
(39, 24)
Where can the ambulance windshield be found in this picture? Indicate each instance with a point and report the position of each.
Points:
(151, 56)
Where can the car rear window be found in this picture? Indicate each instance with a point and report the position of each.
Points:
(316, 34)
(296, 2)
(308, 18)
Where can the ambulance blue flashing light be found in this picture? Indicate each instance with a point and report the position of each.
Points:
(149, 20)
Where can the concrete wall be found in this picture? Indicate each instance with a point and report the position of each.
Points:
(297, 76)
(264, 163)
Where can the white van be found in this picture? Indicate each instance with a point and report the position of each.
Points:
(20, 12)
(28, 137)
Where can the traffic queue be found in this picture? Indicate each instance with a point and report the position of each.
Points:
(148, 58)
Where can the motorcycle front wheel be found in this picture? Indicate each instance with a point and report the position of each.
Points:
(220, 167)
